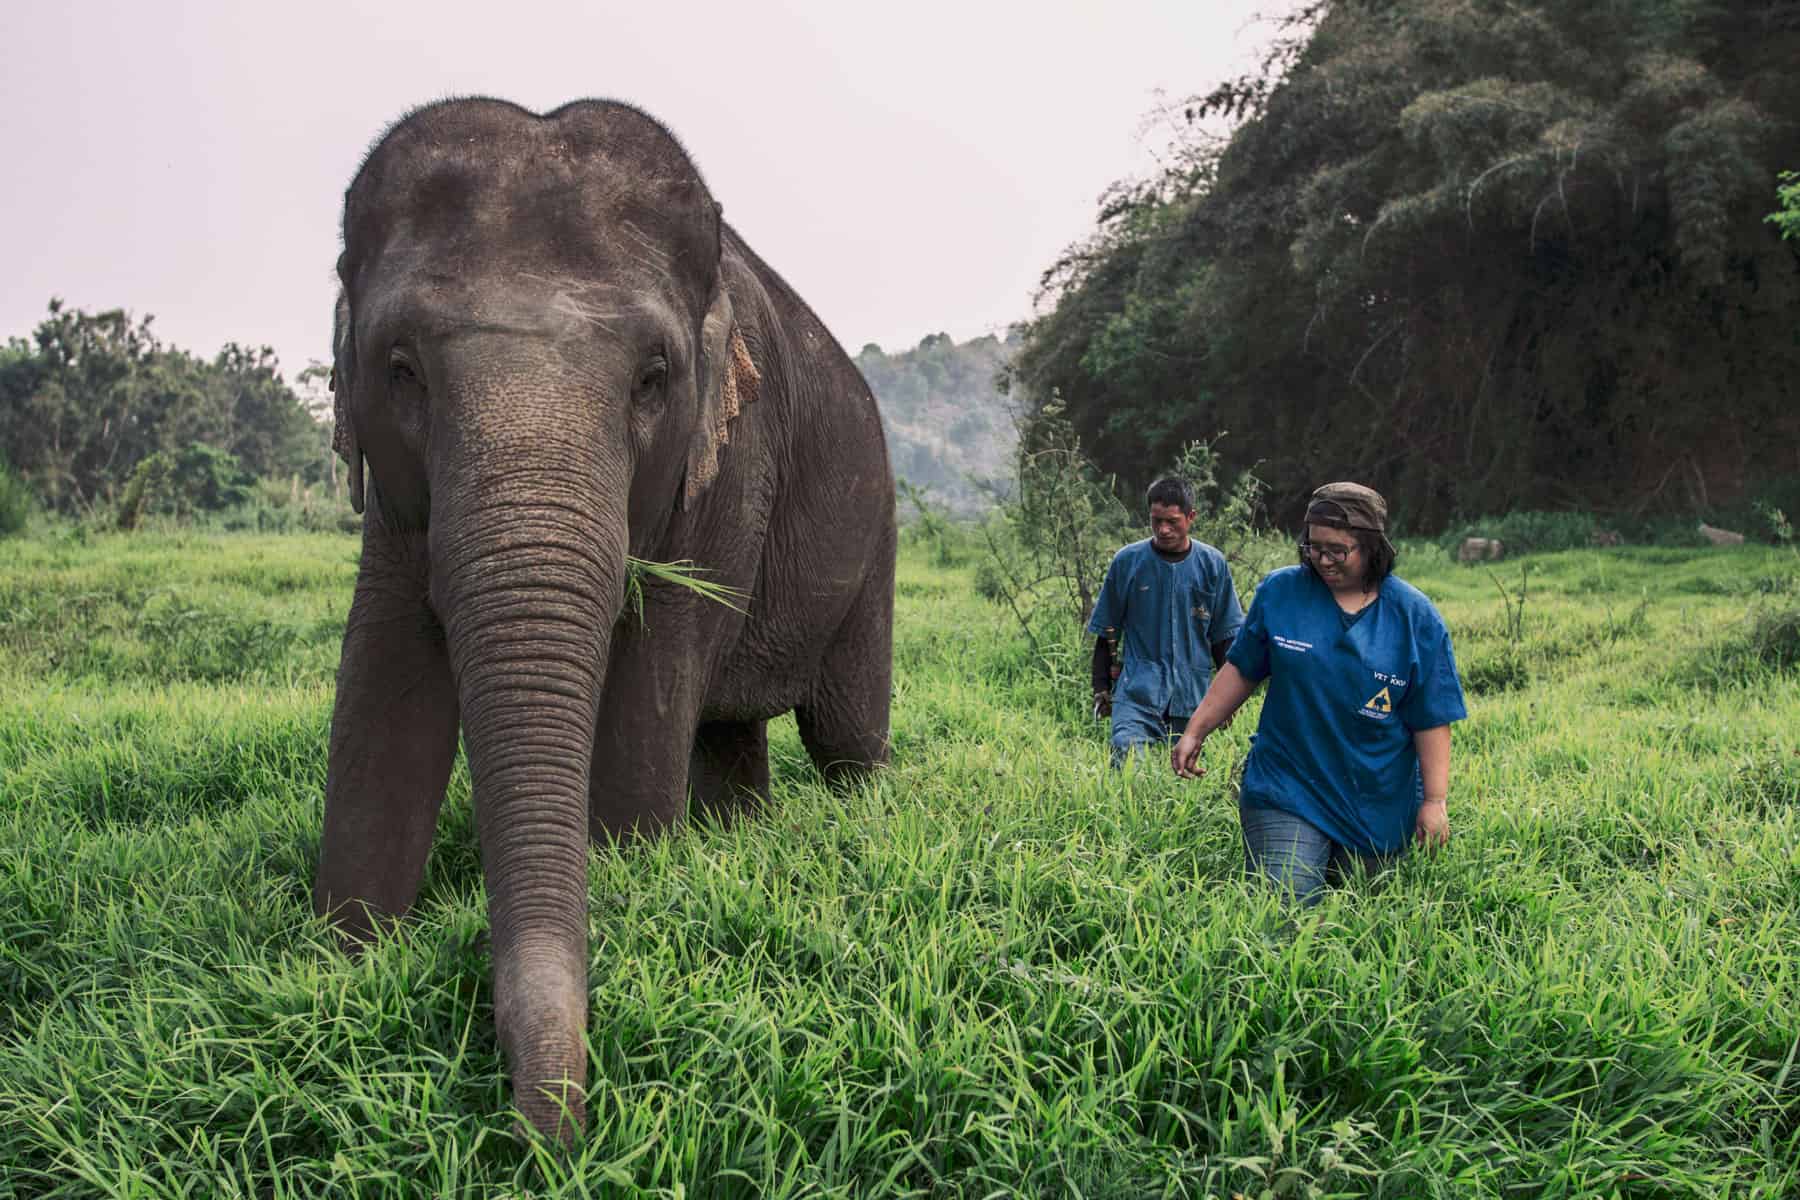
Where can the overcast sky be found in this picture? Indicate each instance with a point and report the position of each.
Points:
(909, 168)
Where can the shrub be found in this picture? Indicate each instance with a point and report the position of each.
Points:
(17, 502)
(1049, 544)
(1497, 672)
(204, 488)
(1758, 516)
(1527, 532)
(180, 483)
(1766, 643)
(1230, 518)
(285, 506)
(929, 524)
(1774, 637)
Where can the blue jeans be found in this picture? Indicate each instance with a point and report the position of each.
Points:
(1295, 857)
(1134, 728)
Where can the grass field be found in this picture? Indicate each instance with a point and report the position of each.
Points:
(1001, 970)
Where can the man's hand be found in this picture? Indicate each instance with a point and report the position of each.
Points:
(1432, 829)
(1102, 705)
(1185, 758)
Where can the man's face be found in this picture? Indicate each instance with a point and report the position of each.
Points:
(1169, 526)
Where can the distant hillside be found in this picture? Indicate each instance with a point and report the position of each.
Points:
(945, 420)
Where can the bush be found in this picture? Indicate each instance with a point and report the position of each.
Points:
(1502, 671)
(1049, 544)
(1756, 516)
(17, 502)
(204, 487)
(1771, 496)
(1766, 643)
(284, 506)
(929, 524)
(180, 483)
(1774, 637)
(1527, 532)
(1230, 519)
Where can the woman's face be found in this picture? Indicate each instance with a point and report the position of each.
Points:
(1336, 555)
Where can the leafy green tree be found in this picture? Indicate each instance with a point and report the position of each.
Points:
(1484, 254)
(181, 483)
(92, 395)
(74, 405)
(1787, 217)
(262, 422)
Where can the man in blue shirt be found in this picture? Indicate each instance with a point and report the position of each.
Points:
(1351, 758)
(1166, 615)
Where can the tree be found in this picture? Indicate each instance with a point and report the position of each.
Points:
(1481, 254)
(92, 395)
(181, 483)
(1787, 217)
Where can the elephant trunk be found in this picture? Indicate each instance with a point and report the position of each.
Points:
(528, 577)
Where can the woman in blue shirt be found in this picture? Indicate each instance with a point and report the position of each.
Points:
(1351, 758)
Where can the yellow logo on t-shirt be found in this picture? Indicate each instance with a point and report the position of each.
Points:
(1380, 702)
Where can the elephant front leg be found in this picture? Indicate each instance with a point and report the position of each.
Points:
(393, 740)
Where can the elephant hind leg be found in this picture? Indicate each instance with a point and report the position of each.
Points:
(728, 771)
(844, 722)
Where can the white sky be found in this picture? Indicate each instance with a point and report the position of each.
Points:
(908, 167)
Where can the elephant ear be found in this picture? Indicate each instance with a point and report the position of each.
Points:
(728, 381)
(343, 429)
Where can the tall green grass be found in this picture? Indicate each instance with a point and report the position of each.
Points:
(1001, 969)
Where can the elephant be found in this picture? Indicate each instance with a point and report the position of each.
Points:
(553, 355)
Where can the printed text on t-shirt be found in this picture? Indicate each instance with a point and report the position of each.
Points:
(1288, 643)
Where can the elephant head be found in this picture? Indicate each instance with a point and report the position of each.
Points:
(537, 359)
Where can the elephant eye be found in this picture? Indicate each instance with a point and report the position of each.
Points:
(401, 372)
(652, 374)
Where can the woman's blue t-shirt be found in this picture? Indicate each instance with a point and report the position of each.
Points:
(1334, 745)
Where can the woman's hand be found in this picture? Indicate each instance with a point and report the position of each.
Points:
(1432, 829)
(1185, 758)
(1228, 691)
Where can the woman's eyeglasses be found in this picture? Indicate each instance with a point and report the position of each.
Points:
(1330, 554)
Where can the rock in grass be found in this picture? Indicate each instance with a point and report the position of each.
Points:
(1720, 537)
(1477, 549)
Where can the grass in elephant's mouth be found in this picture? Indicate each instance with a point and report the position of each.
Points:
(641, 573)
(1002, 969)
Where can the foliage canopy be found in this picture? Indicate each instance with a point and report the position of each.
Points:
(92, 395)
(1482, 255)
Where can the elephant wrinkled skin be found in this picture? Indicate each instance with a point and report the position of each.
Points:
(552, 353)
